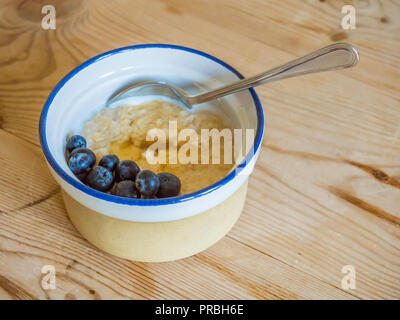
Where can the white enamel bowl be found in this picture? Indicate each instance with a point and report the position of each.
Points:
(148, 229)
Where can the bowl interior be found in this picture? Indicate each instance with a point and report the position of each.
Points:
(84, 91)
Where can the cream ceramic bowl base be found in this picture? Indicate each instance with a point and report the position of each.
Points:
(157, 241)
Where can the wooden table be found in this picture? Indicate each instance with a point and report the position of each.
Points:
(326, 189)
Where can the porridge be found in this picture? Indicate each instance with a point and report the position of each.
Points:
(122, 131)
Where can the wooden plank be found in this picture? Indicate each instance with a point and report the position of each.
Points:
(319, 225)
(298, 29)
(325, 191)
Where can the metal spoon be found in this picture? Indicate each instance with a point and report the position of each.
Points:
(333, 57)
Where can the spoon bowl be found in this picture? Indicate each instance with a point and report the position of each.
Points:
(151, 88)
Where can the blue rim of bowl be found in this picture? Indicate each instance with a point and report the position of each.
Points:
(144, 202)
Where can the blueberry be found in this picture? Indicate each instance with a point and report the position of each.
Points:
(109, 162)
(126, 189)
(170, 185)
(147, 183)
(100, 178)
(76, 141)
(81, 160)
(126, 170)
(82, 176)
(89, 152)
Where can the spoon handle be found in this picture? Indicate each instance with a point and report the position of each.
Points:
(333, 57)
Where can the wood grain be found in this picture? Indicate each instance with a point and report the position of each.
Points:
(326, 188)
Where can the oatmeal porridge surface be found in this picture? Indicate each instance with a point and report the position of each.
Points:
(122, 131)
